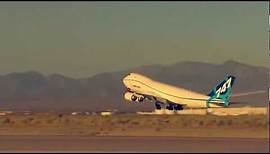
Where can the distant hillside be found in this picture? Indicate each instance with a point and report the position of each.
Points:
(34, 91)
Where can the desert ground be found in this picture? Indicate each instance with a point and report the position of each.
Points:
(64, 132)
(249, 126)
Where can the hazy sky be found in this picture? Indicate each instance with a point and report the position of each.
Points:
(80, 39)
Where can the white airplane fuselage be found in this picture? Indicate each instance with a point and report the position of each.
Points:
(141, 85)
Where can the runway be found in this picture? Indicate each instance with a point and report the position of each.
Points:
(129, 144)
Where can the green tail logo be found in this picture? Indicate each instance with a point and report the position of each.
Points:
(222, 91)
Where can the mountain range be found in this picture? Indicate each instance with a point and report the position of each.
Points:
(34, 91)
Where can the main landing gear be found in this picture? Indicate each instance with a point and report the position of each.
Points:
(170, 106)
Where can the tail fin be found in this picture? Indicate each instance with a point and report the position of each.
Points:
(222, 91)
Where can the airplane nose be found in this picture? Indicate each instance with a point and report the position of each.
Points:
(125, 81)
(126, 75)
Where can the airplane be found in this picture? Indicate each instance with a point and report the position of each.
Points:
(142, 89)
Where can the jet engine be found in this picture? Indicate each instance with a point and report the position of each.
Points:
(132, 97)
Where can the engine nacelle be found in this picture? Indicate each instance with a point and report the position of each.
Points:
(132, 97)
